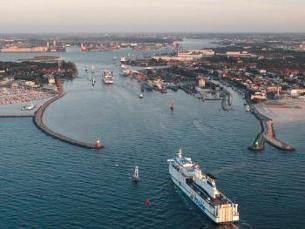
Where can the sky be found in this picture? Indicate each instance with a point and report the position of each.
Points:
(35, 16)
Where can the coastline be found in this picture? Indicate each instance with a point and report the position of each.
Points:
(265, 117)
(284, 111)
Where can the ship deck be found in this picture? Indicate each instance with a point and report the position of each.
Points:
(220, 200)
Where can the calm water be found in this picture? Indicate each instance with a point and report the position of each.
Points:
(46, 183)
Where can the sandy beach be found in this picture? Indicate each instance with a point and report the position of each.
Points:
(284, 111)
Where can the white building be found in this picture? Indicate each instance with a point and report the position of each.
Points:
(204, 52)
(297, 92)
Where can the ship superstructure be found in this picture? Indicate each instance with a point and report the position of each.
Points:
(201, 189)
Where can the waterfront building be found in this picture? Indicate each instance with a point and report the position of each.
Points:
(204, 52)
(16, 49)
(259, 97)
(274, 89)
(233, 54)
(181, 57)
(51, 79)
(297, 92)
(202, 81)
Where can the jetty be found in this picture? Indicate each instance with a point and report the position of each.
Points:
(272, 140)
(267, 132)
(226, 101)
(38, 121)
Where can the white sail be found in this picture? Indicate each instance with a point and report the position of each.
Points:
(135, 175)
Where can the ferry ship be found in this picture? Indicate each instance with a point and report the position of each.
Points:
(108, 77)
(201, 189)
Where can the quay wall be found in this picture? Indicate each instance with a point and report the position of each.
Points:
(17, 116)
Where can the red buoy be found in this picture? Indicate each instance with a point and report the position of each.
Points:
(147, 202)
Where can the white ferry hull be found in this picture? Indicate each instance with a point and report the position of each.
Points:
(204, 206)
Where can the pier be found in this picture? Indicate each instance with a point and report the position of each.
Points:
(272, 140)
(38, 121)
(226, 101)
(267, 132)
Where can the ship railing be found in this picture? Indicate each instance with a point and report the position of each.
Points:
(235, 210)
(225, 198)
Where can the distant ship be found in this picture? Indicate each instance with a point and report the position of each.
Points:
(108, 77)
(123, 59)
(28, 107)
(201, 189)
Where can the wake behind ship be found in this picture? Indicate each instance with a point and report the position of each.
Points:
(201, 189)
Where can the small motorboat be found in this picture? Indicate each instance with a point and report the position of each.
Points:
(141, 96)
(28, 107)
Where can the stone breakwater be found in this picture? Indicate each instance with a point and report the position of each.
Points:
(38, 121)
(267, 133)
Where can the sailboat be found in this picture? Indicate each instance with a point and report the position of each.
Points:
(135, 176)
(172, 106)
(141, 95)
(92, 69)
